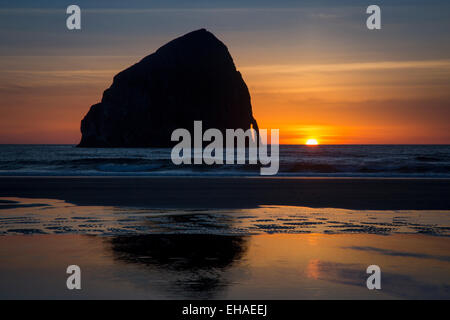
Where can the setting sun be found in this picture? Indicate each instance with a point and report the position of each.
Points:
(312, 142)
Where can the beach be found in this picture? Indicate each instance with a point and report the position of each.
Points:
(224, 237)
(302, 266)
(235, 192)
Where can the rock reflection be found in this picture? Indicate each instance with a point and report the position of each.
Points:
(194, 264)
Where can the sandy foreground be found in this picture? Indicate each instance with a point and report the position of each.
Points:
(224, 238)
(280, 266)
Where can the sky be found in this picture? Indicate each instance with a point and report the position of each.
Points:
(313, 68)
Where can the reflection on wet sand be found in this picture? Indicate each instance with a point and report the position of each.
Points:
(263, 253)
(183, 266)
(197, 264)
(396, 284)
(47, 216)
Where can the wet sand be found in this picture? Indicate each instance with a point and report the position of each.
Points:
(50, 216)
(224, 238)
(225, 192)
(301, 266)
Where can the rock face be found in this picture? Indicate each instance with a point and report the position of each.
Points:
(190, 78)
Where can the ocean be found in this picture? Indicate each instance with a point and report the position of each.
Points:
(295, 160)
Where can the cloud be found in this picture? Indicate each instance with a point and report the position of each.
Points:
(396, 284)
(357, 66)
(394, 253)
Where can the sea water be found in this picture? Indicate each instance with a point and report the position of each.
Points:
(295, 160)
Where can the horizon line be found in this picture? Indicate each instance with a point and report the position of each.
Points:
(280, 144)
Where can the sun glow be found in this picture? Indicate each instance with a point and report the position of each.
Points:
(312, 142)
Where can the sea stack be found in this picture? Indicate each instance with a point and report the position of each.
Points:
(190, 78)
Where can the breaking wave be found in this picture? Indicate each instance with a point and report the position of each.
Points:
(295, 160)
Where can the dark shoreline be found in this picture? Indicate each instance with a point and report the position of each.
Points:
(236, 192)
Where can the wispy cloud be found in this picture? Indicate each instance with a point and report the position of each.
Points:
(358, 66)
(158, 10)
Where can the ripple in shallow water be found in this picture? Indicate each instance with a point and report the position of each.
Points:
(48, 216)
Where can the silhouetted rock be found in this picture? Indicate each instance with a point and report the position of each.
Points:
(190, 78)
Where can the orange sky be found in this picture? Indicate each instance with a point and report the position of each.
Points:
(312, 73)
(380, 102)
(353, 103)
